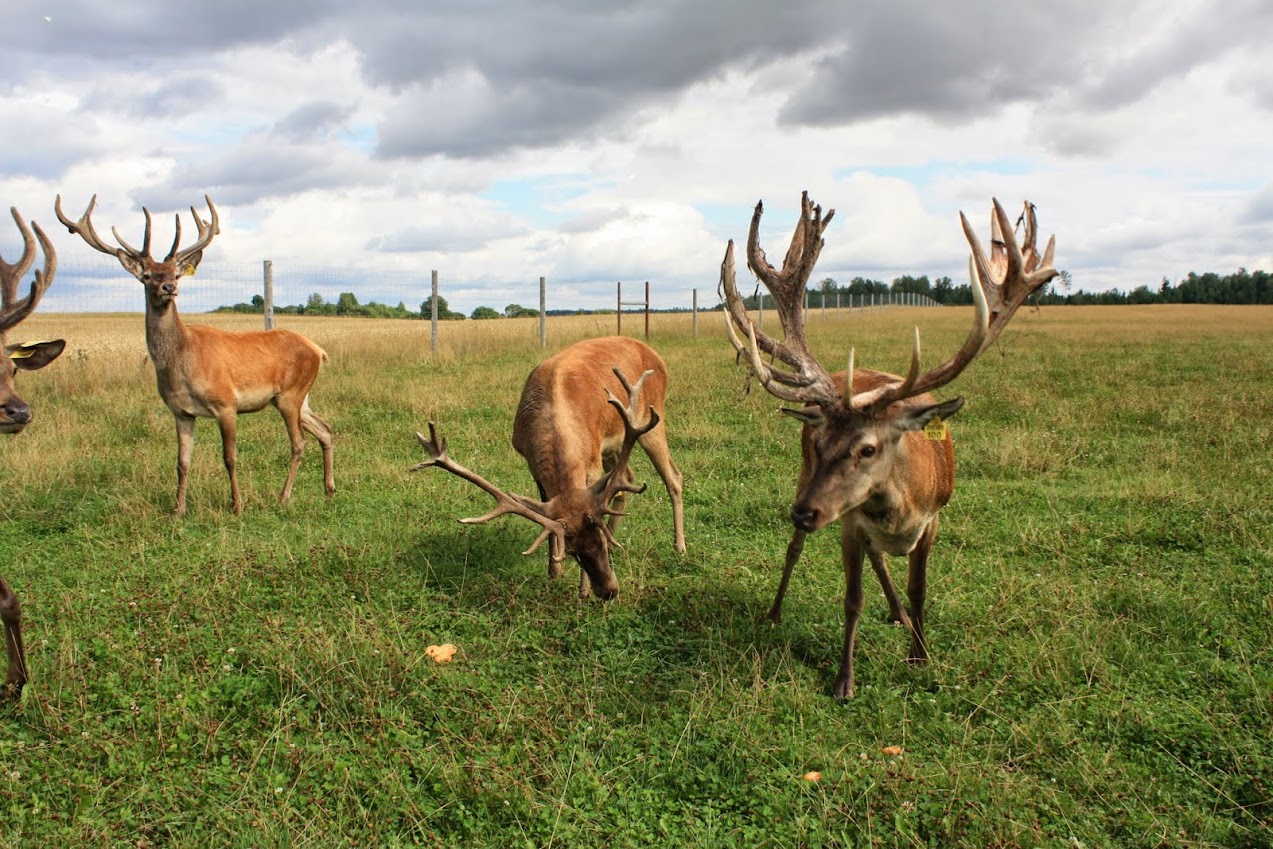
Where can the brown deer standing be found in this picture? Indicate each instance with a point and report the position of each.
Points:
(578, 451)
(213, 373)
(876, 455)
(15, 414)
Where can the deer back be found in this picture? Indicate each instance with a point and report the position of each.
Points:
(564, 426)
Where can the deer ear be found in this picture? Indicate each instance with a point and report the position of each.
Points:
(916, 417)
(812, 416)
(30, 356)
(189, 265)
(131, 265)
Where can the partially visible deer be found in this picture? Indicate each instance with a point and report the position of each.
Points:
(578, 451)
(207, 372)
(877, 456)
(15, 414)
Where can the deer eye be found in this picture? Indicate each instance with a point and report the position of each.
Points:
(867, 451)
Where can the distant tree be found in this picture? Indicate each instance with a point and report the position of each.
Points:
(519, 311)
(1066, 280)
(314, 301)
(484, 312)
(941, 290)
(258, 301)
(346, 304)
(444, 312)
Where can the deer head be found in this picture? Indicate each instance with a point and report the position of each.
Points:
(573, 521)
(159, 277)
(856, 423)
(15, 414)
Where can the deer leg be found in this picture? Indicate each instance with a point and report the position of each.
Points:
(292, 421)
(851, 550)
(895, 612)
(655, 445)
(11, 612)
(185, 448)
(917, 591)
(313, 423)
(228, 421)
(794, 548)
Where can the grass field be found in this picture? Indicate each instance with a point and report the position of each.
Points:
(1100, 614)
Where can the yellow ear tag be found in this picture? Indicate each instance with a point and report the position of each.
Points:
(188, 270)
(22, 354)
(935, 429)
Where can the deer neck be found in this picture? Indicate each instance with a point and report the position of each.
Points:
(165, 334)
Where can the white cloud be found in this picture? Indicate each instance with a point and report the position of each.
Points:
(591, 143)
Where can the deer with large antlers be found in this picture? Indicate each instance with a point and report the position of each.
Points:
(207, 372)
(876, 455)
(578, 451)
(15, 414)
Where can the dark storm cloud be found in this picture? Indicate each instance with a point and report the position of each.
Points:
(474, 79)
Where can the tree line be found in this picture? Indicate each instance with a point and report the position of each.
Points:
(346, 304)
(1240, 287)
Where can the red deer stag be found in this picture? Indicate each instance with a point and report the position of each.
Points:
(876, 455)
(15, 414)
(213, 373)
(578, 452)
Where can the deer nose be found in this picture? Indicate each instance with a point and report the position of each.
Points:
(804, 518)
(169, 288)
(17, 412)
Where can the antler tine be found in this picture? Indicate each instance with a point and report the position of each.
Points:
(207, 230)
(788, 285)
(615, 481)
(505, 502)
(84, 229)
(812, 385)
(1000, 284)
(145, 239)
(13, 310)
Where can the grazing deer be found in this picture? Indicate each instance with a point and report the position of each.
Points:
(15, 414)
(213, 373)
(876, 455)
(578, 452)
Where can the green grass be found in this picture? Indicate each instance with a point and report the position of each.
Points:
(1100, 616)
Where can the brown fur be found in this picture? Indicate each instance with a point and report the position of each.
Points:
(206, 372)
(15, 414)
(891, 508)
(569, 435)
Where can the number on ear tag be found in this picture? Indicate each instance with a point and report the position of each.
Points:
(935, 429)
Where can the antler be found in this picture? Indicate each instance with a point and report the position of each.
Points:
(1000, 284)
(810, 383)
(12, 308)
(615, 481)
(505, 502)
(84, 228)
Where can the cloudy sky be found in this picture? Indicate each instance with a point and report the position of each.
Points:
(590, 141)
